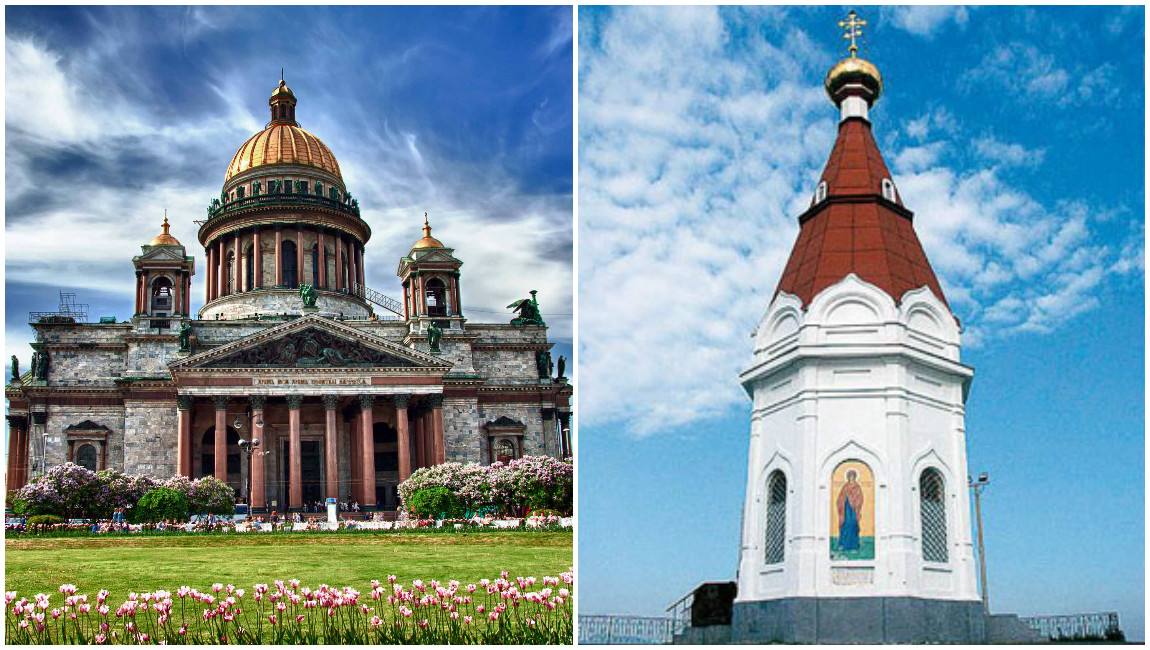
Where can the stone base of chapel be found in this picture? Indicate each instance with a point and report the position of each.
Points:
(868, 620)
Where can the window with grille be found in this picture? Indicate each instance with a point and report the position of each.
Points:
(776, 518)
(932, 500)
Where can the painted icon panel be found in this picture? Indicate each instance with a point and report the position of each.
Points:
(852, 512)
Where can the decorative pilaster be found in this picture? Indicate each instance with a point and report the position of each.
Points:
(404, 435)
(367, 460)
(295, 478)
(330, 403)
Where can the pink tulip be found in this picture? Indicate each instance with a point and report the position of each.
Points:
(217, 587)
(299, 618)
(376, 621)
(99, 638)
(467, 619)
(493, 616)
(272, 618)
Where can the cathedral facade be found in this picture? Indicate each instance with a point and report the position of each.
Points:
(347, 391)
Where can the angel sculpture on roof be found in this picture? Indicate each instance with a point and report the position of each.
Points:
(528, 309)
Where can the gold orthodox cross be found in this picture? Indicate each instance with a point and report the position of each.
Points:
(853, 29)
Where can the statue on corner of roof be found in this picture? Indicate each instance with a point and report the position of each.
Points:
(434, 334)
(528, 309)
(15, 370)
(185, 336)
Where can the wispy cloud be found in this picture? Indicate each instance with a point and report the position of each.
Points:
(701, 141)
(926, 20)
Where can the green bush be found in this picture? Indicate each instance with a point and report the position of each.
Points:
(43, 520)
(159, 504)
(435, 503)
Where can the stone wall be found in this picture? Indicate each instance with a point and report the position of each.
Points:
(62, 417)
(529, 414)
(82, 333)
(507, 366)
(85, 367)
(150, 358)
(463, 442)
(151, 437)
(277, 301)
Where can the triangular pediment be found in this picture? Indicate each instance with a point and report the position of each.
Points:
(311, 342)
(163, 253)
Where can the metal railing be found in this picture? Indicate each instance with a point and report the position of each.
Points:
(680, 611)
(625, 630)
(371, 295)
(1102, 626)
(280, 199)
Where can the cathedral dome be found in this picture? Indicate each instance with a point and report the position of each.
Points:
(854, 76)
(283, 141)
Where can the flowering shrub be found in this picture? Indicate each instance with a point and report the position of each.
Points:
(435, 502)
(494, 611)
(72, 491)
(162, 503)
(527, 483)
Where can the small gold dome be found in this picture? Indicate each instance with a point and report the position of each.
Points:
(164, 239)
(428, 241)
(282, 90)
(854, 76)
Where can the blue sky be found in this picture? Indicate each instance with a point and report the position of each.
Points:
(1017, 137)
(113, 114)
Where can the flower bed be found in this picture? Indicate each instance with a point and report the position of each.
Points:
(494, 611)
(550, 524)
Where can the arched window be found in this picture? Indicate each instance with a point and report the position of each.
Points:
(231, 273)
(505, 451)
(315, 265)
(287, 263)
(932, 505)
(161, 297)
(774, 548)
(249, 267)
(436, 298)
(821, 192)
(86, 457)
(888, 189)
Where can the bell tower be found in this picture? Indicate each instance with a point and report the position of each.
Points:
(856, 524)
(430, 278)
(164, 273)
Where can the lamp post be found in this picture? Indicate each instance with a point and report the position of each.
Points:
(249, 447)
(977, 487)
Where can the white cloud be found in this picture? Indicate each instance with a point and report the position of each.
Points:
(926, 20)
(1006, 154)
(1029, 73)
(696, 155)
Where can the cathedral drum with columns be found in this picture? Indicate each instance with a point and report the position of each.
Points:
(288, 349)
(856, 524)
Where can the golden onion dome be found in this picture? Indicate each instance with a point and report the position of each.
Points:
(428, 241)
(854, 76)
(164, 239)
(283, 142)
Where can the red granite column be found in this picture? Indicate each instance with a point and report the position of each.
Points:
(298, 254)
(208, 277)
(367, 440)
(279, 256)
(322, 281)
(338, 262)
(237, 268)
(257, 261)
(351, 272)
(436, 403)
(13, 440)
(188, 294)
(21, 455)
(354, 457)
(404, 436)
(331, 467)
(359, 264)
(184, 436)
(221, 271)
(259, 480)
(295, 479)
(221, 438)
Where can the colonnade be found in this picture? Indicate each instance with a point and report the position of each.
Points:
(348, 250)
(421, 426)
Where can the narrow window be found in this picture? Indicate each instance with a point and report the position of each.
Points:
(821, 192)
(888, 189)
(932, 501)
(287, 186)
(248, 268)
(776, 533)
(287, 262)
(315, 265)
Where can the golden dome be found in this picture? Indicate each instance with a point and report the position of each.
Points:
(164, 239)
(283, 90)
(283, 144)
(854, 74)
(428, 241)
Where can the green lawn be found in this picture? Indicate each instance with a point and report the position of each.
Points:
(123, 565)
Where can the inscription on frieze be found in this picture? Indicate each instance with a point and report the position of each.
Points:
(309, 348)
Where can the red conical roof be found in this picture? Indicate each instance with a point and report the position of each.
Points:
(854, 229)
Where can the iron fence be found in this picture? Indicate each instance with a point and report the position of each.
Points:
(625, 630)
(1101, 626)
